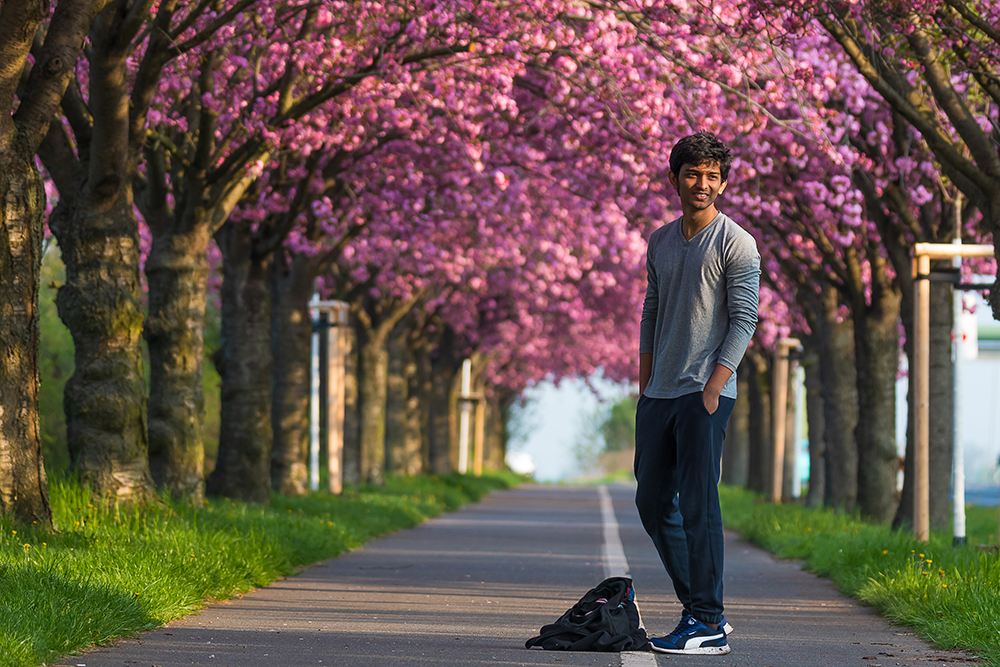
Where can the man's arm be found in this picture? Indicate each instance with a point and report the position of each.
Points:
(713, 388)
(647, 325)
(645, 371)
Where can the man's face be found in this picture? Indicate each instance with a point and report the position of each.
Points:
(698, 185)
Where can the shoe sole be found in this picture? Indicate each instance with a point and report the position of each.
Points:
(701, 650)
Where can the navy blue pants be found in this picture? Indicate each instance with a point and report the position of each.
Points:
(678, 459)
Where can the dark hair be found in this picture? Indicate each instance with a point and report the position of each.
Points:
(697, 149)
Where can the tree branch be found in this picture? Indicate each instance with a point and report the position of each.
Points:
(60, 160)
(19, 21)
(953, 106)
(975, 19)
(933, 134)
(51, 74)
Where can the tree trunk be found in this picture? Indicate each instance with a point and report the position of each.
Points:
(352, 420)
(372, 389)
(291, 288)
(788, 468)
(942, 406)
(839, 387)
(495, 442)
(177, 271)
(422, 390)
(243, 467)
(759, 423)
(816, 429)
(101, 305)
(876, 340)
(736, 450)
(376, 318)
(414, 421)
(397, 390)
(941, 417)
(23, 487)
(101, 299)
(444, 368)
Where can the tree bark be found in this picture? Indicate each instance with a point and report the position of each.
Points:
(788, 468)
(876, 344)
(177, 271)
(101, 305)
(27, 108)
(375, 319)
(291, 288)
(352, 420)
(942, 404)
(736, 450)
(759, 423)
(397, 391)
(101, 300)
(372, 390)
(23, 485)
(404, 415)
(422, 389)
(443, 443)
(816, 427)
(243, 466)
(495, 443)
(839, 387)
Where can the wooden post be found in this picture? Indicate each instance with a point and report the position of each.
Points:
(336, 399)
(779, 409)
(923, 253)
(479, 441)
(921, 382)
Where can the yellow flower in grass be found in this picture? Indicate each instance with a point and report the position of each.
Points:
(885, 552)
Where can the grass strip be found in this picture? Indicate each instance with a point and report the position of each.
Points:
(948, 595)
(108, 573)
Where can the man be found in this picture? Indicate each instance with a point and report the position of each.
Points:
(698, 316)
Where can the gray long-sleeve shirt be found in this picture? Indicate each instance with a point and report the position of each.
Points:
(701, 305)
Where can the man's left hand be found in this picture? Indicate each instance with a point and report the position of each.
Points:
(710, 399)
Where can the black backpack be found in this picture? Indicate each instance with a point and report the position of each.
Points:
(605, 619)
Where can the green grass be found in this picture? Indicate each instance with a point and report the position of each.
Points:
(110, 573)
(948, 595)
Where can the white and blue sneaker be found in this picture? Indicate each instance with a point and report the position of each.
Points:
(692, 637)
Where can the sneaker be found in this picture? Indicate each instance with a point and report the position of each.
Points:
(723, 623)
(692, 637)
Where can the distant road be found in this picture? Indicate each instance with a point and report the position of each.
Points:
(988, 496)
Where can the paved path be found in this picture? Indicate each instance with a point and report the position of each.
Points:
(470, 587)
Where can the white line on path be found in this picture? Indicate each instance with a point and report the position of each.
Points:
(615, 565)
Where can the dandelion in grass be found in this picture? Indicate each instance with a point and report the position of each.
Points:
(885, 552)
